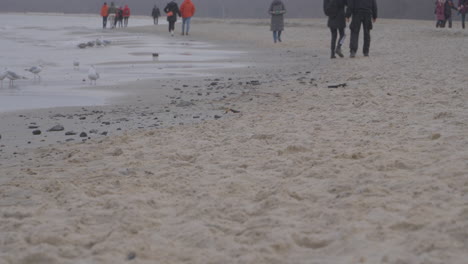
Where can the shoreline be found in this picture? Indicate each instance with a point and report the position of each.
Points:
(373, 172)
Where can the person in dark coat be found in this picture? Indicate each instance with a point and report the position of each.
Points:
(363, 12)
(449, 5)
(463, 9)
(335, 10)
(172, 11)
(277, 11)
(155, 14)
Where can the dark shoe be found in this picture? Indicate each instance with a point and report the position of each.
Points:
(366, 54)
(279, 39)
(338, 51)
(333, 57)
(353, 54)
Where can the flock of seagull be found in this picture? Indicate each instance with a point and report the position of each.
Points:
(93, 74)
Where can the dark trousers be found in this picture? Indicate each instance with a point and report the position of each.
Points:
(104, 22)
(125, 21)
(449, 20)
(334, 35)
(171, 25)
(440, 23)
(155, 20)
(365, 20)
(463, 20)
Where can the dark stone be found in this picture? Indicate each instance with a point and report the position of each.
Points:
(93, 131)
(83, 118)
(56, 128)
(33, 127)
(104, 133)
(196, 117)
(83, 134)
(337, 85)
(131, 255)
(217, 116)
(255, 82)
(106, 123)
(70, 133)
(69, 139)
(37, 132)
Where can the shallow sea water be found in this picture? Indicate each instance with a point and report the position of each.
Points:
(51, 40)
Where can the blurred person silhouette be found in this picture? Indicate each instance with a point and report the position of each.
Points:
(277, 11)
(335, 10)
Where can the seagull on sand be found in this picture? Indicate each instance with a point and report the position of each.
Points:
(93, 75)
(13, 76)
(35, 70)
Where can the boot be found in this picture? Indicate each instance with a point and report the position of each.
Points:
(338, 51)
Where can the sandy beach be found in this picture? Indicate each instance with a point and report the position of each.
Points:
(257, 164)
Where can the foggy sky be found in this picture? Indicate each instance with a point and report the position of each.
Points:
(417, 9)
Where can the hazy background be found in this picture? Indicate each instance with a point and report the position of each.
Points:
(417, 9)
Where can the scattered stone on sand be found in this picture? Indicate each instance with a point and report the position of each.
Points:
(217, 116)
(117, 152)
(337, 85)
(436, 136)
(104, 133)
(33, 127)
(56, 128)
(106, 123)
(70, 133)
(83, 118)
(131, 256)
(37, 132)
(83, 134)
(93, 131)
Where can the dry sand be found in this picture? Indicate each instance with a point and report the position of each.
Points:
(375, 172)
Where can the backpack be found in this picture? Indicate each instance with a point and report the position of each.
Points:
(331, 10)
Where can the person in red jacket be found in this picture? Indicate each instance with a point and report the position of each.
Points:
(187, 10)
(126, 15)
(104, 14)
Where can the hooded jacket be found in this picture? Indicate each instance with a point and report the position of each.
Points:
(463, 6)
(440, 10)
(126, 11)
(174, 8)
(335, 10)
(104, 10)
(187, 9)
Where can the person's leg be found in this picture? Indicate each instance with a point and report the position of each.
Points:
(104, 22)
(188, 25)
(463, 20)
(279, 35)
(184, 21)
(340, 42)
(367, 26)
(334, 33)
(157, 20)
(126, 21)
(450, 21)
(275, 36)
(354, 41)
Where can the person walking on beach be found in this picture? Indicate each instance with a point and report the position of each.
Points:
(335, 10)
(172, 11)
(104, 14)
(119, 17)
(448, 12)
(155, 14)
(111, 13)
(187, 10)
(363, 12)
(440, 13)
(277, 11)
(126, 15)
(462, 9)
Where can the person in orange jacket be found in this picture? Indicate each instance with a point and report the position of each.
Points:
(126, 15)
(187, 10)
(104, 14)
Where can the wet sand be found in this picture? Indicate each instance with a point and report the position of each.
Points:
(373, 172)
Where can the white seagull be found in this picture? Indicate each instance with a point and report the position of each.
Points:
(93, 75)
(13, 76)
(35, 70)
